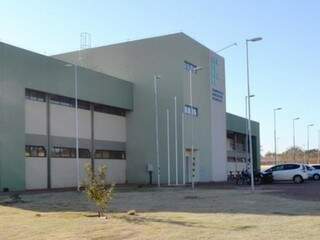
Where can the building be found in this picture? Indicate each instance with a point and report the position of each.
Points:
(116, 101)
(236, 143)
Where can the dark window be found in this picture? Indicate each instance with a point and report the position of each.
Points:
(309, 168)
(290, 166)
(110, 154)
(84, 153)
(69, 102)
(316, 166)
(269, 170)
(64, 101)
(109, 110)
(35, 151)
(64, 152)
(278, 168)
(35, 95)
(83, 105)
(190, 110)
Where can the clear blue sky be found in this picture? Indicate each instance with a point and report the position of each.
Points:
(285, 66)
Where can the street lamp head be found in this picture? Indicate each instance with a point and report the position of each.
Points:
(251, 96)
(197, 69)
(254, 39)
(158, 77)
(310, 125)
(297, 118)
(277, 109)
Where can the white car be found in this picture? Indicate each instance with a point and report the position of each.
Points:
(289, 172)
(313, 173)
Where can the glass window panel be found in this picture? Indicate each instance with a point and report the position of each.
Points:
(35, 95)
(35, 151)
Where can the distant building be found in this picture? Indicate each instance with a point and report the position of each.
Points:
(117, 115)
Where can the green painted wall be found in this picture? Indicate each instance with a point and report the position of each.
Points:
(20, 69)
(238, 124)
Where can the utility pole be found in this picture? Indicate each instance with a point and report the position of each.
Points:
(275, 133)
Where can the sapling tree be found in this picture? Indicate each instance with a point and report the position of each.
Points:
(97, 189)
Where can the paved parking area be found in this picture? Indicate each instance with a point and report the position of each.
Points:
(309, 190)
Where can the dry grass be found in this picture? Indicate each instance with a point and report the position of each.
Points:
(163, 214)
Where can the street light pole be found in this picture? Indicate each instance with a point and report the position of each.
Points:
(75, 66)
(294, 138)
(191, 71)
(308, 140)
(275, 133)
(155, 81)
(77, 125)
(247, 139)
(318, 146)
(249, 110)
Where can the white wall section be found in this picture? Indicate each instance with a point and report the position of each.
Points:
(64, 172)
(35, 113)
(36, 173)
(116, 169)
(63, 121)
(109, 127)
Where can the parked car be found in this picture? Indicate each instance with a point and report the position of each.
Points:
(313, 173)
(266, 177)
(259, 177)
(289, 172)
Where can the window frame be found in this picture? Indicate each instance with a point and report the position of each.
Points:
(290, 167)
(277, 168)
(29, 150)
(110, 154)
(191, 110)
(35, 95)
(109, 110)
(68, 152)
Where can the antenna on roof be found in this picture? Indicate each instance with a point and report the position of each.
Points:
(85, 43)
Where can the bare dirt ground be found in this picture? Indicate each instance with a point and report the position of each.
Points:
(278, 211)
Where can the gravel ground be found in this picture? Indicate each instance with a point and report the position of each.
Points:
(213, 211)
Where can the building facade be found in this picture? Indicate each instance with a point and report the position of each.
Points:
(117, 118)
(37, 142)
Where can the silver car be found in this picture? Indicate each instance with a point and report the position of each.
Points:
(289, 172)
(313, 173)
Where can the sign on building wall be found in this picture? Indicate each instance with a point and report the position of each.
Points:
(216, 94)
